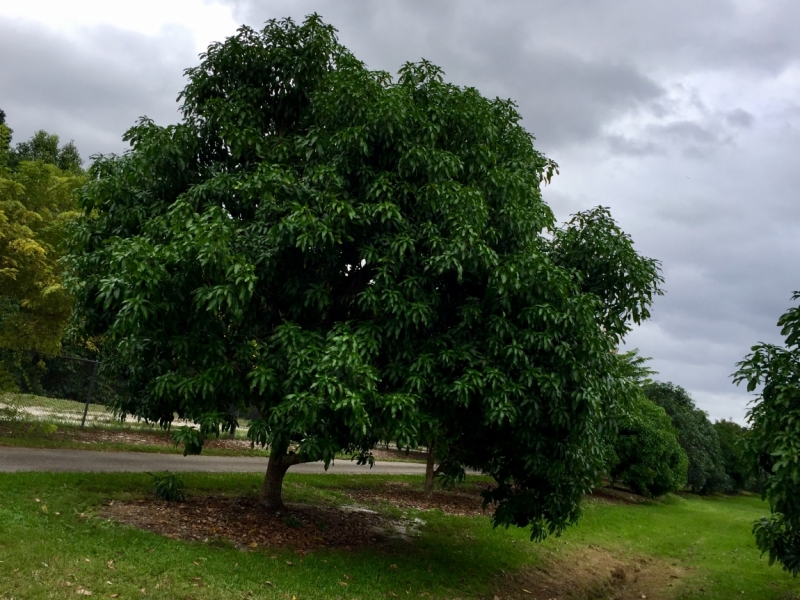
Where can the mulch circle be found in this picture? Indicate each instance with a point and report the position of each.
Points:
(245, 523)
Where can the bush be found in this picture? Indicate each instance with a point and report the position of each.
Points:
(168, 487)
(646, 454)
(696, 435)
(738, 466)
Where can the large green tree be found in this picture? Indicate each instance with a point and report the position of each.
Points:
(37, 200)
(774, 438)
(359, 258)
(696, 435)
(643, 449)
(738, 466)
(646, 454)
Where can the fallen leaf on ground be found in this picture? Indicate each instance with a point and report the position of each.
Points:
(83, 592)
(343, 583)
(110, 564)
(270, 584)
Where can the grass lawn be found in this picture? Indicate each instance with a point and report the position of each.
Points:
(705, 542)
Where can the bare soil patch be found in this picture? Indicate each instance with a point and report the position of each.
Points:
(616, 496)
(244, 523)
(591, 573)
(464, 500)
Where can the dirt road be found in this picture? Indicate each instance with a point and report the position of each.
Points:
(84, 461)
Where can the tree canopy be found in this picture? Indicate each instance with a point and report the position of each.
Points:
(733, 444)
(37, 200)
(646, 454)
(696, 435)
(44, 147)
(774, 439)
(357, 257)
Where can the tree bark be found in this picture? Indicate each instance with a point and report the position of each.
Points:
(430, 473)
(271, 491)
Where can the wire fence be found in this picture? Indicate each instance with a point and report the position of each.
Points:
(62, 377)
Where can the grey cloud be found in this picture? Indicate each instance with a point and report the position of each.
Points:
(619, 144)
(695, 138)
(740, 118)
(91, 89)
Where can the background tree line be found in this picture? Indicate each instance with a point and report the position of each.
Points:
(39, 181)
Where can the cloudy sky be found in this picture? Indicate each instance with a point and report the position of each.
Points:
(682, 116)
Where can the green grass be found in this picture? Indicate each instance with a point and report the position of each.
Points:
(455, 557)
(711, 535)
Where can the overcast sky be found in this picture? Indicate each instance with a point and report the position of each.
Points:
(681, 116)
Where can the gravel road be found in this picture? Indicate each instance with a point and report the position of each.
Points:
(85, 461)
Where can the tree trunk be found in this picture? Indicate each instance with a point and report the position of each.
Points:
(429, 471)
(271, 491)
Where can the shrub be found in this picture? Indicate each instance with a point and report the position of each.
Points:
(646, 454)
(738, 466)
(696, 435)
(168, 487)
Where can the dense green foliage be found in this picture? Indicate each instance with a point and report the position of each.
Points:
(696, 436)
(359, 258)
(774, 439)
(169, 487)
(43, 147)
(37, 200)
(738, 465)
(646, 454)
